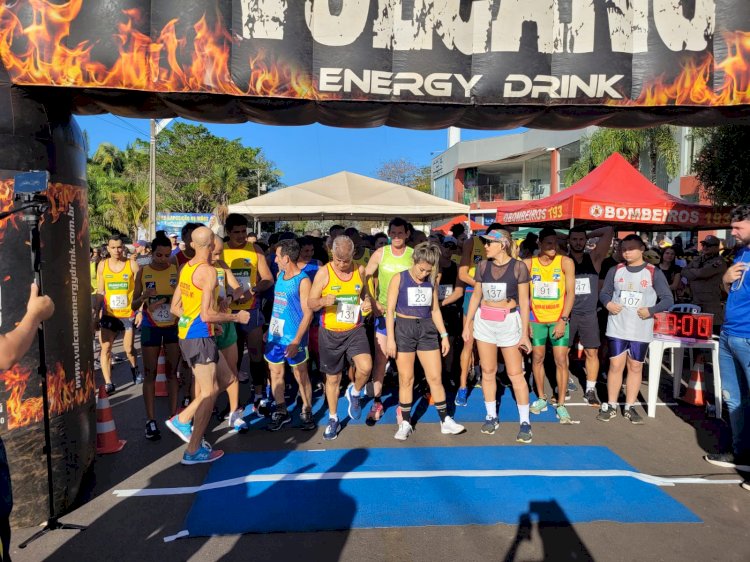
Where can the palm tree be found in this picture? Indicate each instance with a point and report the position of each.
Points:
(657, 144)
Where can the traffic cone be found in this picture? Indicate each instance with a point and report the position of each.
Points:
(694, 394)
(106, 433)
(161, 375)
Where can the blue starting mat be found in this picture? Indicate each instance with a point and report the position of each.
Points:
(293, 491)
(422, 412)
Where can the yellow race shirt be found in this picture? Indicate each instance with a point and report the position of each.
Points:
(547, 290)
(244, 265)
(164, 282)
(118, 290)
(191, 326)
(346, 314)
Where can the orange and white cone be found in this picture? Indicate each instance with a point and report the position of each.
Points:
(161, 375)
(694, 394)
(106, 433)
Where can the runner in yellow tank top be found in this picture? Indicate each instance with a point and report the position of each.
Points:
(400, 253)
(115, 278)
(250, 268)
(552, 292)
(155, 285)
(195, 302)
(340, 293)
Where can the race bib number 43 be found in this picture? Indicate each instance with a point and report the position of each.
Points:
(419, 296)
(546, 290)
(631, 299)
(162, 313)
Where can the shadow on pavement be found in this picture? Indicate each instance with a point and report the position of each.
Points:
(558, 537)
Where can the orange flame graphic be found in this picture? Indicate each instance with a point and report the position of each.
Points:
(6, 204)
(61, 392)
(693, 85)
(39, 54)
(61, 196)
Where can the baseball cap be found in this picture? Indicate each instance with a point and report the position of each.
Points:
(173, 235)
(450, 240)
(493, 236)
(711, 240)
(140, 243)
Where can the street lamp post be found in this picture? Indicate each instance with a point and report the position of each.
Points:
(259, 187)
(157, 126)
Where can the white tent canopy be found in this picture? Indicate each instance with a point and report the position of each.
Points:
(348, 195)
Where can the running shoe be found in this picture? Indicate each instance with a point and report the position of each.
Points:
(182, 430)
(490, 425)
(745, 485)
(462, 397)
(332, 430)
(539, 405)
(152, 431)
(376, 412)
(524, 434)
(592, 398)
(563, 415)
(450, 427)
(202, 455)
(572, 386)
(264, 407)
(236, 422)
(728, 460)
(307, 421)
(110, 388)
(137, 376)
(278, 420)
(352, 396)
(606, 413)
(634, 417)
(404, 430)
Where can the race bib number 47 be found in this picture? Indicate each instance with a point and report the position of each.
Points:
(419, 296)
(583, 286)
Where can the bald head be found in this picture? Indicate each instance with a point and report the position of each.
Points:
(202, 242)
(218, 248)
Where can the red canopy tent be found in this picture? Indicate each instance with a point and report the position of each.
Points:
(616, 193)
(460, 219)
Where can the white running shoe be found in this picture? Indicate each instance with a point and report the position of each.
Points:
(404, 430)
(450, 427)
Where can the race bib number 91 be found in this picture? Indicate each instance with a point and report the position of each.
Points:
(546, 290)
(419, 296)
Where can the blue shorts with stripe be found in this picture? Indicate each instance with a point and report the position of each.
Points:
(274, 354)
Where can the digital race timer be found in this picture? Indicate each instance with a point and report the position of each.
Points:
(684, 326)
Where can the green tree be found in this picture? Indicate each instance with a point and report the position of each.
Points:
(405, 172)
(657, 144)
(721, 165)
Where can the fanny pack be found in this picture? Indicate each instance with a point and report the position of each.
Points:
(494, 314)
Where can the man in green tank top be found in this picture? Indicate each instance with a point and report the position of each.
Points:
(383, 265)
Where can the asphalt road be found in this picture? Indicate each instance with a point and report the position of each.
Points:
(133, 528)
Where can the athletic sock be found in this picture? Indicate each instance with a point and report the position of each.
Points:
(442, 410)
(523, 413)
(491, 408)
(612, 405)
(628, 406)
(334, 417)
(590, 385)
(406, 412)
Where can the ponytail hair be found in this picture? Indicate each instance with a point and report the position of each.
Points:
(430, 253)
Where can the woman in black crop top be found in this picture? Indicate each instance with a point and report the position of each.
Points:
(499, 313)
(413, 325)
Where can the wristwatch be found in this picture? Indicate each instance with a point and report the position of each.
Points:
(565, 319)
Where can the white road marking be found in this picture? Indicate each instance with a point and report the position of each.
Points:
(405, 474)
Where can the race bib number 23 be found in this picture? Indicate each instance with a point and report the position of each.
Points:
(419, 296)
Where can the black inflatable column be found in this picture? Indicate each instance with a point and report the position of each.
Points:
(38, 132)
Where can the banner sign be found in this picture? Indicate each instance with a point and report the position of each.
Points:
(71, 383)
(172, 223)
(475, 64)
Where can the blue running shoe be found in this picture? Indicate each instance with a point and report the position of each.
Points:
(352, 396)
(332, 430)
(202, 455)
(524, 434)
(462, 396)
(182, 430)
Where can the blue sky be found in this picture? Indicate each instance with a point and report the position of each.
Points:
(303, 153)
